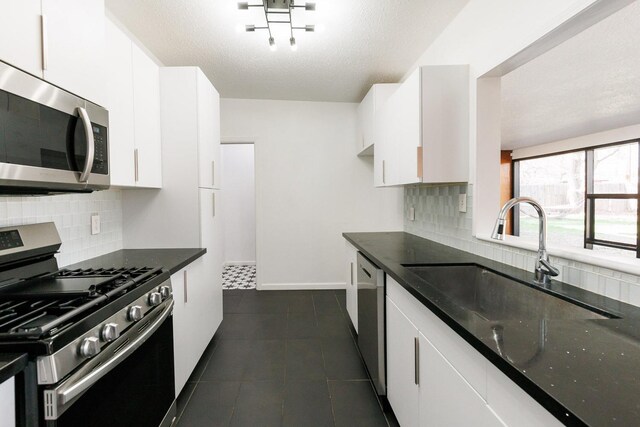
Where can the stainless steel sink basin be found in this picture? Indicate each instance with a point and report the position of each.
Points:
(495, 297)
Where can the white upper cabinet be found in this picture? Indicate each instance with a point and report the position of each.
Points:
(146, 107)
(62, 41)
(73, 43)
(21, 35)
(372, 103)
(120, 106)
(208, 132)
(422, 130)
(133, 101)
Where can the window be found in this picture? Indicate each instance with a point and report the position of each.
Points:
(590, 196)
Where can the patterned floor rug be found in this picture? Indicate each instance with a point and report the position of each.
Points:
(239, 277)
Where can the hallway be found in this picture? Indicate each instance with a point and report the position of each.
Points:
(281, 358)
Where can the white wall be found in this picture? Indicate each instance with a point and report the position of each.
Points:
(238, 203)
(310, 187)
(72, 216)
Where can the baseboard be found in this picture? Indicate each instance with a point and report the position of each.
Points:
(239, 263)
(300, 286)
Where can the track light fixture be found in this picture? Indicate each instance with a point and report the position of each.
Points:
(279, 12)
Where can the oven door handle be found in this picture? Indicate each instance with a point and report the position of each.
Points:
(70, 389)
(66, 394)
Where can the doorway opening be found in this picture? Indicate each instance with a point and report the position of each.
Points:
(239, 209)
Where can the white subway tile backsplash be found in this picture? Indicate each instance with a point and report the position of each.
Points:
(437, 218)
(72, 216)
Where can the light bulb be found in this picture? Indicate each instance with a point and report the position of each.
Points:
(294, 46)
(272, 44)
(243, 5)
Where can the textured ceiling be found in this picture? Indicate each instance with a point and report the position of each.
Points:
(588, 84)
(363, 42)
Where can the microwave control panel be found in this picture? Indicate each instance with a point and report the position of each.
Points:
(101, 159)
(10, 239)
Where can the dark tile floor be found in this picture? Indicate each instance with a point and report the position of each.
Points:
(282, 358)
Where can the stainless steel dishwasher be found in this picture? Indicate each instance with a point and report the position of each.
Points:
(371, 334)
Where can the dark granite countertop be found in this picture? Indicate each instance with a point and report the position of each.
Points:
(171, 259)
(11, 364)
(588, 371)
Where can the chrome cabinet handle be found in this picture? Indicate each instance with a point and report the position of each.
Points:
(186, 297)
(136, 171)
(416, 355)
(44, 40)
(351, 274)
(213, 197)
(88, 133)
(383, 173)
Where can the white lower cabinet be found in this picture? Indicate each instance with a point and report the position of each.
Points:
(456, 386)
(189, 312)
(352, 283)
(446, 399)
(402, 367)
(7, 403)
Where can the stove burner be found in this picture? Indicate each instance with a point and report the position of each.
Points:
(104, 272)
(37, 314)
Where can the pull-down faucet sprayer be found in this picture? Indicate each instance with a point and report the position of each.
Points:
(543, 268)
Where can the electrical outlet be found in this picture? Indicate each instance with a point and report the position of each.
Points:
(95, 224)
(411, 215)
(462, 202)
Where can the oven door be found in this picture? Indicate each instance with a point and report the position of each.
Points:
(131, 382)
(49, 139)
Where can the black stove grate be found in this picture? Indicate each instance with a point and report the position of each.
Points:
(40, 317)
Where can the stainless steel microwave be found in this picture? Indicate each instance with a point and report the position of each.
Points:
(50, 140)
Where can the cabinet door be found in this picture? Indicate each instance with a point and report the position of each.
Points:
(74, 47)
(217, 155)
(21, 35)
(212, 239)
(402, 367)
(146, 102)
(120, 105)
(446, 399)
(402, 112)
(351, 255)
(7, 403)
(445, 123)
(366, 111)
(181, 335)
(207, 112)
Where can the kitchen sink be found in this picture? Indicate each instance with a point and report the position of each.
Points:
(494, 297)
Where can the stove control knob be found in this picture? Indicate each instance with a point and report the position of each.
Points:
(155, 298)
(135, 313)
(90, 347)
(109, 332)
(165, 291)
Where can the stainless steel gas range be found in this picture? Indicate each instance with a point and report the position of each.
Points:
(100, 341)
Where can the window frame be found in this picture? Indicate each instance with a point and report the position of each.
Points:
(590, 196)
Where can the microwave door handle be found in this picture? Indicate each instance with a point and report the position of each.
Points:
(91, 152)
(65, 394)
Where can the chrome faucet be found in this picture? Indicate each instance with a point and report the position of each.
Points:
(543, 269)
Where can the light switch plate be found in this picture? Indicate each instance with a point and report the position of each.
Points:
(462, 202)
(95, 224)
(411, 215)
